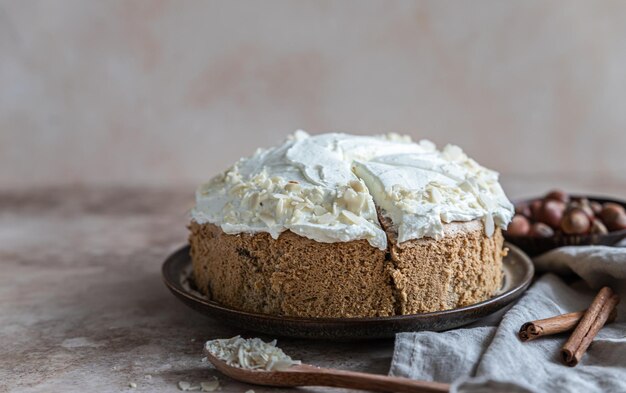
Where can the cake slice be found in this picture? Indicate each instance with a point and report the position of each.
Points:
(336, 225)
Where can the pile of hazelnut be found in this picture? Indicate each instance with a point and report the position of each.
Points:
(557, 213)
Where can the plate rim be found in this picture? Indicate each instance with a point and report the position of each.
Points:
(511, 294)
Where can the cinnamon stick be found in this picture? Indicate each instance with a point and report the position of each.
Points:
(554, 325)
(592, 321)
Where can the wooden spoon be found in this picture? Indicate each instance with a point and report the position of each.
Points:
(308, 375)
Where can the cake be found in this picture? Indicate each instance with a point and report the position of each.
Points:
(336, 225)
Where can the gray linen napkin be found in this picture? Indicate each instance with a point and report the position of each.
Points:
(483, 358)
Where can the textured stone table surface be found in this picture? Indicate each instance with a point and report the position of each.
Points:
(83, 308)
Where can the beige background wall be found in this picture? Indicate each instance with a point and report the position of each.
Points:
(171, 92)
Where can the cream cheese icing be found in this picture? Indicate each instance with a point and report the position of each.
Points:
(326, 187)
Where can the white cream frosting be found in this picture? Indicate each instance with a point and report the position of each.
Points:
(326, 187)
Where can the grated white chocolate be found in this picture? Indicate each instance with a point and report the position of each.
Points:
(326, 187)
(252, 354)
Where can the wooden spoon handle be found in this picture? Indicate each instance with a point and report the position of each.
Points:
(315, 376)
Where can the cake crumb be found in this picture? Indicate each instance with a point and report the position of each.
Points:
(187, 386)
(210, 386)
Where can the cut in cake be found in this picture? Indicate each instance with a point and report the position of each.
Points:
(336, 225)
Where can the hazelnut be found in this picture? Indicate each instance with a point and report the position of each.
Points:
(618, 223)
(540, 229)
(582, 204)
(535, 207)
(589, 212)
(551, 213)
(523, 209)
(575, 222)
(557, 195)
(610, 212)
(519, 226)
(597, 227)
(596, 207)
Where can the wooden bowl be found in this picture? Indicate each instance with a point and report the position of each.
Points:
(534, 246)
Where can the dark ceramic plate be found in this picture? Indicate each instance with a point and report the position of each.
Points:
(534, 246)
(518, 272)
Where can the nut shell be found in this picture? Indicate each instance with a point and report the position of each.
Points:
(540, 229)
(583, 205)
(523, 209)
(535, 208)
(557, 195)
(618, 223)
(519, 226)
(611, 212)
(596, 207)
(551, 213)
(575, 222)
(598, 228)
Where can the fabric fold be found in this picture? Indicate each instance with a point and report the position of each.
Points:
(493, 359)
